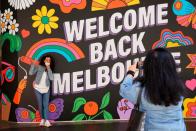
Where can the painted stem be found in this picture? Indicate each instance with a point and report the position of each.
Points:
(97, 115)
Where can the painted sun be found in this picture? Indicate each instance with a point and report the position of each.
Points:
(111, 4)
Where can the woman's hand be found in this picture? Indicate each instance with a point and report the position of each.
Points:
(133, 67)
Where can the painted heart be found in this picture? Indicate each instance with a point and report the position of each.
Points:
(191, 84)
(25, 33)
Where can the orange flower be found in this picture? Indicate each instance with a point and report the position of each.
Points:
(67, 5)
(189, 107)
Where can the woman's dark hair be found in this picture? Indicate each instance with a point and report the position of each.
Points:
(52, 63)
(162, 83)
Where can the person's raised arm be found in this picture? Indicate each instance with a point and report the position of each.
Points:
(33, 69)
(128, 88)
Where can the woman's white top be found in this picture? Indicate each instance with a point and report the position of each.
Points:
(42, 87)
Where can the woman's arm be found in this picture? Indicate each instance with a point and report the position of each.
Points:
(130, 90)
(33, 69)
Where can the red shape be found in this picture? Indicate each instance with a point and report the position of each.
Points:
(25, 33)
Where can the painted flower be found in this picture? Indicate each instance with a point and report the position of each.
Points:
(13, 27)
(67, 6)
(124, 109)
(3, 25)
(8, 15)
(111, 4)
(1, 15)
(44, 20)
(189, 108)
(21, 4)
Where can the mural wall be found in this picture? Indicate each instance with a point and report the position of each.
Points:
(93, 43)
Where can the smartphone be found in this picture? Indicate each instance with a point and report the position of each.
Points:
(141, 68)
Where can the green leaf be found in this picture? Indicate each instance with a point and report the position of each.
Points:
(78, 103)
(32, 115)
(107, 115)
(18, 45)
(11, 39)
(13, 43)
(105, 100)
(79, 117)
(14, 40)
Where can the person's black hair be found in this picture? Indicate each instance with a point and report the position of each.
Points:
(161, 81)
(52, 62)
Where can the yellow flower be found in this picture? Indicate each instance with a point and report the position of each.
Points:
(44, 20)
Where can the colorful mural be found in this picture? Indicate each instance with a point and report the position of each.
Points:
(189, 107)
(6, 107)
(44, 20)
(7, 22)
(192, 57)
(191, 84)
(21, 86)
(93, 44)
(25, 33)
(112, 4)
(55, 108)
(92, 109)
(67, 6)
(170, 39)
(124, 109)
(15, 41)
(7, 73)
(53, 45)
(21, 4)
(186, 13)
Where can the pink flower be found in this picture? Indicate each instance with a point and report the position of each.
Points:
(66, 6)
(69, 2)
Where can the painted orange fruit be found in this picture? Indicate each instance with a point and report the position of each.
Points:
(91, 108)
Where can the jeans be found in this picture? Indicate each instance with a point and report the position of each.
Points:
(43, 100)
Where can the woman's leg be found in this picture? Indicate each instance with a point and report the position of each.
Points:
(40, 102)
(45, 104)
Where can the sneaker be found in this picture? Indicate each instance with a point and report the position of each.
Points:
(47, 123)
(42, 123)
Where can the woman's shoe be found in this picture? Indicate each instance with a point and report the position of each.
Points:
(47, 123)
(42, 123)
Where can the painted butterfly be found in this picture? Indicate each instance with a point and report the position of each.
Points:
(186, 13)
(55, 108)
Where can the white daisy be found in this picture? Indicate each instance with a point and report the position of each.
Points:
(3, 25)
(13, 27)
(1, 15)
(8, 15)
(21, 4)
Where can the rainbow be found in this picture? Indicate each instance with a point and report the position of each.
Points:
(69, 51)
(172, 39)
